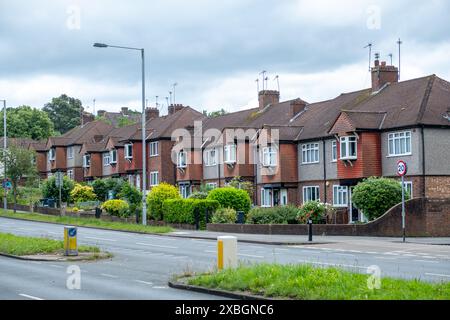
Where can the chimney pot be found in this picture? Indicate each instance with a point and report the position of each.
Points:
(151, 113)
(175, 108)
(267, 97)
(383, 74)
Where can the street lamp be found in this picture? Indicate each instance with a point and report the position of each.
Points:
(5, 206)
(144, 171)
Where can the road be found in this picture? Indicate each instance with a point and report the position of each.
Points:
(143, 264)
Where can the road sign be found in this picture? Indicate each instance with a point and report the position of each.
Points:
(6, 184)
(58, 179)
(402, 169)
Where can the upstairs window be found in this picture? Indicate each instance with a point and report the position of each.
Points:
(51, 154)
(106, 159)
(70, 153)
(154, 149)
(210, 157)
(86, 160)
(229, 153)
(399, 143)
(128, 151)
(310, 153)
(182, 159)
(113, 156)
(348, 148)
(334, 151)
(269, 157)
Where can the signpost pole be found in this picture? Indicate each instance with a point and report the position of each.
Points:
(59, 183)
(403, 209)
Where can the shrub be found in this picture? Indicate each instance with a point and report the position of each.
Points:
(199, 195)
(183, 210)
(275, 215)
(131, 195)
(118, 208)
(100, 189)
(230, 197)
(238, 183)
(314, 210)
(224, 215)
(157, 196)
(82, 193)
(50, 190)
(375, 196)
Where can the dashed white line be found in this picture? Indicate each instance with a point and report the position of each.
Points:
(29, 297)
(386, 258)
(426, 261)
(144, 282)
(55, 266)
(102, 239)
(160, 287)
(250, 256)
(155, 245)
(109, 275)
(438, 275)
(345, 254)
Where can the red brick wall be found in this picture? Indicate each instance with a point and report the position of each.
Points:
(96, 167)
(41, 161)
(60, 162)
(136, 162)
(437, 187)
(287, 169)
(194, 169)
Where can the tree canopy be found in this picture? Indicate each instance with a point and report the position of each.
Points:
(65, 112)
(27, 122)
(216, 113)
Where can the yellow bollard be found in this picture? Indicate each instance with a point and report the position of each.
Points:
(226, 252)
(70, 241)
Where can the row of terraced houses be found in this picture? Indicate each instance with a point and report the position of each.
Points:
(324, 148)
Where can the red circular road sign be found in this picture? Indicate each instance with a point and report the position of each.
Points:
(402, 169)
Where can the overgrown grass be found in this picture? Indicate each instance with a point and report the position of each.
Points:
(306, 282)
(21, 246)
(86, 222)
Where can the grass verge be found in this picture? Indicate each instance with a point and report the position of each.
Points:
(24, 246)
(86, 222)
(306, 282)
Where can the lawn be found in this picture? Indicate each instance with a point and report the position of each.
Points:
(22, 246)
(305, 282)
(86, 222)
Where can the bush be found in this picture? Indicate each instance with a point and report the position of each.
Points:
(199, 195)
(314, 210)
(131, 195)
(50, 190)
(157, 196)
(224, 215)
(375, 196)
(82, 193)
(183, 210)
(230, 197)
(118, 208)
(100, 189)
(275, 215)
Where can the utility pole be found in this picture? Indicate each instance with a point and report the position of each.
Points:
(399, 42)
(5, 203)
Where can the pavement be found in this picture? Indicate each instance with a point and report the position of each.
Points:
(143, 264)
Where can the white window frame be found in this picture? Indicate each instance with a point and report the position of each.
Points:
(334, 153)
(269, 155)
(128, 147)
(339, 191)
(106, 159)
(312, 190)
(309, 153)
(70, 152)
(70, 174)
(408, 188)
(403, 137)
(229, 153)
(185, 190)
(345, 143)
(284, 199)
(113, 156)
(210, 157)
(52, 154)
(182, 155)
(266, 198)
(212, 185)
(154, 178)
(154, 149)
(86, 162)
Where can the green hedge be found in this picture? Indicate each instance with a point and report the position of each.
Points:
(229, 197)
(182, 210)
(275, 215)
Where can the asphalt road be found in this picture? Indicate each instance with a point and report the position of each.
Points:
(143, 264)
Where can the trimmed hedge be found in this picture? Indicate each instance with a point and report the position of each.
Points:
(275, 215)
(157, 196)
(183, 210)
(118, 208)
(230, 197)
(224, 215)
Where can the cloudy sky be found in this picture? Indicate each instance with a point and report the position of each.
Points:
(214, 50)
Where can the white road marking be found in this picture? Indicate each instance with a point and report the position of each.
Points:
(51, 232)
(144, 282)
(250, 256)
(410, 255)
(29, 297)
(438, 275)
(372, 252)
(386, 258)
(155, 245)
(55, 266)
(102, 239)
(345, 254)
(160, 287)
(210, 251)
(426, 261)
(108, 275)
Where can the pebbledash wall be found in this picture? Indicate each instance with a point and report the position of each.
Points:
(424, 218)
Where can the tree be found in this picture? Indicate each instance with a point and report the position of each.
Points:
(238, 183)
(374, 196)
(50, 190)
(216, 113)
(65, 112)
(27, 122)
(125, 121)
(19, 163)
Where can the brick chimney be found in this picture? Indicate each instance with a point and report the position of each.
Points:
(125, 111)
(267, 97)
(175, 108)
(101, 113)
(151, 113)
(296, 106)
(382, 74)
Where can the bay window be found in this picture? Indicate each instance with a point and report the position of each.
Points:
(348, 146)
(311, 193)
(230, 153)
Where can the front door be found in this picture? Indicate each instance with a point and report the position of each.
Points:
(276, 197)
(354, 215)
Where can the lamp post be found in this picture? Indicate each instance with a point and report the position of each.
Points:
(5, 205)
(144, 171)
